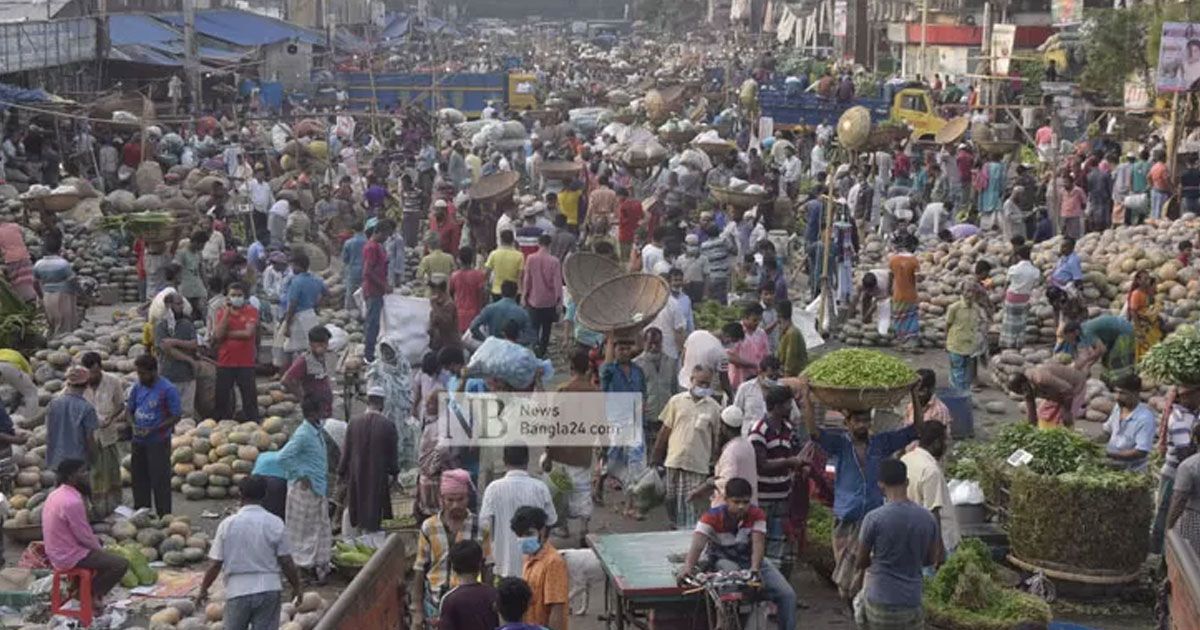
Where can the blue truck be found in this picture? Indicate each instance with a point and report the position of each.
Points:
(466, 92)
(910, 104)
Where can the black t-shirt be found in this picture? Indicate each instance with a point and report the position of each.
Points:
(469, 607)
(175, 371)
(1189, 180)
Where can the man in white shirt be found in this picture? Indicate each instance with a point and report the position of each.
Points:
(818, 164)
(277, 222)
(488, 112)
(671, 319)
(927, 484)
(652, 254)
(501, 500)
(1022, 278)
(251, 549)
(793, 168)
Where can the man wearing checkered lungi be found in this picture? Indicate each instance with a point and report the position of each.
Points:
(686, 446)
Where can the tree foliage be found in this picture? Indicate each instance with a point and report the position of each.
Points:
(1115, 46)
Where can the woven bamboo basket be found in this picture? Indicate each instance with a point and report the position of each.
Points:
(736, 198)
(624, 304)
(997, 147)
(560, 170)
(854, 127)
(23, 534)
(953, 131)
(494, 186)
(60, 202)
(716, 149)
(861, 398)
(584, 271)
(681, 136)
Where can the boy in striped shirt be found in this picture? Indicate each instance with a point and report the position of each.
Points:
(732, 537)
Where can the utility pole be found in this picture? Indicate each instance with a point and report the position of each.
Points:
(191, 64)
(924, 38)
(985, 47)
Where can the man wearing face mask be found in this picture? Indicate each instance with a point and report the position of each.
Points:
(751, 396)
(545, 570)
(856, 477)
(235, 333)
(686, 445)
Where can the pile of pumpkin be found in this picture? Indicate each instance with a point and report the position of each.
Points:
(184, 615)
(1109, 260)
(210, 458)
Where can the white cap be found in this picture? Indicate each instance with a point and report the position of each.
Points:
(732, 417)
(440, 203)
(662, 267)
(377, 390)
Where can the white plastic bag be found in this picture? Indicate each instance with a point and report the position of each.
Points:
(338, 337)
(965, 492)
(883, 317)
(650, 490)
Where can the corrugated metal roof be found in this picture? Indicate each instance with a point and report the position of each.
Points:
(244, 28)
(30, 10)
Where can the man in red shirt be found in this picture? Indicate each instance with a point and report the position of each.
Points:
(629, 217)
(448, 229)
(542, 287)
(235, 331)
(374, 282)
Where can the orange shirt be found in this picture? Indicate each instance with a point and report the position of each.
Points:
(904, 277)
(1160, 178)
(546, 573)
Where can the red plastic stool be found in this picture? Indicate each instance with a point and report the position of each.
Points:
(84, 595)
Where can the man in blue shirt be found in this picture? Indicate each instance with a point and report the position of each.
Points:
(856, 477)
(622, 375)
(70, 422)
(304, 294)
(352, 262)
(1068, 271)
(1130, 430)
(154, 408)
(497, 315)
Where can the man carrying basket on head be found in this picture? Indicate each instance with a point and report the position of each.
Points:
(856, 488)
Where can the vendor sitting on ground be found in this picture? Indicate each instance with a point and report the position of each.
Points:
(733, 537)
(1061, 387)
(70, 541)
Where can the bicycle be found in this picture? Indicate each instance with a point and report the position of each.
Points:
(731, 596)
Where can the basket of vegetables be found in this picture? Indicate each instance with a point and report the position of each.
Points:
(23, 534)
(860, 380)
(559, 170)
(1175, 360)
(349, 559)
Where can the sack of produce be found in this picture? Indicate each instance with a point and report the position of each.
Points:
(451, 116)
(149, 177)
(510, 362)
(511, 129)
(121, 201)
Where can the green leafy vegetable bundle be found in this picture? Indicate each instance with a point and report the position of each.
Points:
(967, 593)
(1054, 451)
(853, 367)
(1175, 360)
(712, 316)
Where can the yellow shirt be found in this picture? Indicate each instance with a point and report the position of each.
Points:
(435, 262)
(693, 424)
(568, 202)
(505, 263)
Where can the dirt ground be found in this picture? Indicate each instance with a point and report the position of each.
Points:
(822, 608)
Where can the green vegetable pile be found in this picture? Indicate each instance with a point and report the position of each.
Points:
(22, 324)
(139, 572)
(1175, 360)
(967, 593)
(561, 488)
(712, 316)
(818, 540)
(1055, 451)
(348, 555)
(852, 367)
(966, 458)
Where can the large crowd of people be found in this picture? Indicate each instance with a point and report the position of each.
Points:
(729, 423)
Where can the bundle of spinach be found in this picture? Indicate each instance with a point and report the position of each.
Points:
(1054, 451)
(1175, 360)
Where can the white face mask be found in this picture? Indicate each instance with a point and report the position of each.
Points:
(237, 302)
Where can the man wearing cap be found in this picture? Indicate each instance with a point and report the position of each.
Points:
(367, 466)
(70, 421)
(446, 226)
(452, 524)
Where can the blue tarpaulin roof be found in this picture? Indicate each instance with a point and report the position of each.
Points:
(401, 23)
(144, 39)
(20, 95)
(244, 28)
